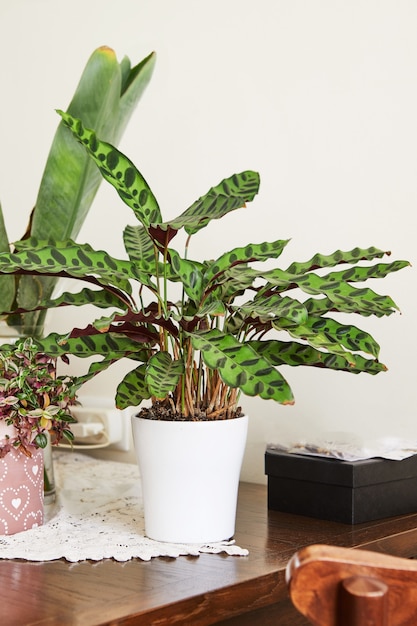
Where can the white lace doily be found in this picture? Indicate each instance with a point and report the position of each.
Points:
(98, 514)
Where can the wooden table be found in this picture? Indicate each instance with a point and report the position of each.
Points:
(209, 589)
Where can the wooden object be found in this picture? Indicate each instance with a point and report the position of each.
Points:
(192, 591)
(335, 586)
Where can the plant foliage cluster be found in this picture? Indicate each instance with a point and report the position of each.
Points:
(34, 401)
(234, 325)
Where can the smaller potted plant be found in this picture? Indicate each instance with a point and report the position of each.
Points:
(34, 408)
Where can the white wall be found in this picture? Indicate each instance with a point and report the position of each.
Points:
(319, 96)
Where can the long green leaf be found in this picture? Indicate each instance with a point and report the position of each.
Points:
(100, 298)
(7, 283)
(113, 346)
(230, 194)
(78, 261)
(249, 253)
(133, 389)
(140, 248)
(190, 273)
(241, 367)
(322, 334)
(320, 261)
(163, 374)
(275, 306)
(346, 335)
(117, 170)
(294, 354)
(134, 82)
(105, 98)
(360, 300)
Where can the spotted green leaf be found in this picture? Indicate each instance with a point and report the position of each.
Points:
(162, 374)
(346, 335)
(241, 367)
(328, 334)
(336, 258)
(273, 307)
(361, 300)
(214, 308)
(75, 260)
(190, 274)
(230, 194)
(251, 252)
(111, 345)
(294, 354)
(117, 170)
(313, 283)
(132, 390)
(140, 248)
(244, 276)
(100, 298)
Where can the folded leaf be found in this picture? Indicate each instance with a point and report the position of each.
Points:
(240, 366)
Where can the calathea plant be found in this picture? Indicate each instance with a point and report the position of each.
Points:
(194, 355)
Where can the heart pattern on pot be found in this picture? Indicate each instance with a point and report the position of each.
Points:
(15, 501)
(32, 470)
(3, 470)
(33, 519)
(7, 465)
(21, 491)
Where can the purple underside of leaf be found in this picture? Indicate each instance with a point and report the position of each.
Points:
(162, 236)
(136, 333)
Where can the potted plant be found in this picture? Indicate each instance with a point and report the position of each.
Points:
(220, 335)
(35, 405)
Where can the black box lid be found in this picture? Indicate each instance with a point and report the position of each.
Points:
(335, 472)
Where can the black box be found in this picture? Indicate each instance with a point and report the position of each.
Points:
(340, 491)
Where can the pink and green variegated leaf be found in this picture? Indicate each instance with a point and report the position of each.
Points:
(293, 353)
(132, 390)
(162, 374)
(246, 254)
(241, 367)
(117, 170)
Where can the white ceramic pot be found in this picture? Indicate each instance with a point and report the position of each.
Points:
(190, 477)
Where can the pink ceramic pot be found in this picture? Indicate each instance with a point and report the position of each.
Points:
(21, 491)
